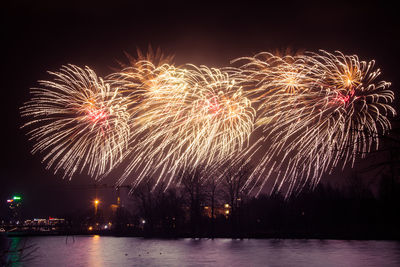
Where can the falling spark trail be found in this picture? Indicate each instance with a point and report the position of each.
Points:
(293, 117)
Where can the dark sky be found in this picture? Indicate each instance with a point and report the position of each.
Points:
(43, 36)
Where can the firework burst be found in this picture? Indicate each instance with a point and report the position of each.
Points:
(221, 118)
(78, 121)
(293, 118)
(183, 118)
(156, 97)
(330, 110)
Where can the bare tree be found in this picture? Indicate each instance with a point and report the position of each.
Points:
(149, 195)
(213, 191)
(235, 191)
(191, 179)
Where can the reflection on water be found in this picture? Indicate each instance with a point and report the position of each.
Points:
(120, 251)
(16, 251)
(94, 252)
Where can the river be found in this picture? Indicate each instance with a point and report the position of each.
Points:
(127, 251)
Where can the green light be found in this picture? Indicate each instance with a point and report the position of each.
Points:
(17, 198)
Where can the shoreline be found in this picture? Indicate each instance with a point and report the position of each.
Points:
(185, 236)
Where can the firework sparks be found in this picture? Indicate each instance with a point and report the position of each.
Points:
(336, 116)
(221, 117)
(187, 117)
(78, 120)
(310, 111)
(156, 97)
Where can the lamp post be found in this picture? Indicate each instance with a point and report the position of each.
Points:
(96, 204)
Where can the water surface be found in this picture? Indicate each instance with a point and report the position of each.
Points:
(125, 251)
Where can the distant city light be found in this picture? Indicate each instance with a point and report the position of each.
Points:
(13, 199)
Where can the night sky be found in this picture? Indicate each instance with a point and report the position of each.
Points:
(43, 36)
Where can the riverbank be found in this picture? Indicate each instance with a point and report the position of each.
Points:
(204, 236)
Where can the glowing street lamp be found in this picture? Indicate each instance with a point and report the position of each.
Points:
(227, 207)
(96, 204)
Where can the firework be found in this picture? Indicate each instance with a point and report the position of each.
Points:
(156, 101)
(294, 118)
(183, 118)
(330, 109)
(221, 118)
(78, 121)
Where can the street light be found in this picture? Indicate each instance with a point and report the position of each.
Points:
(96, 204)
